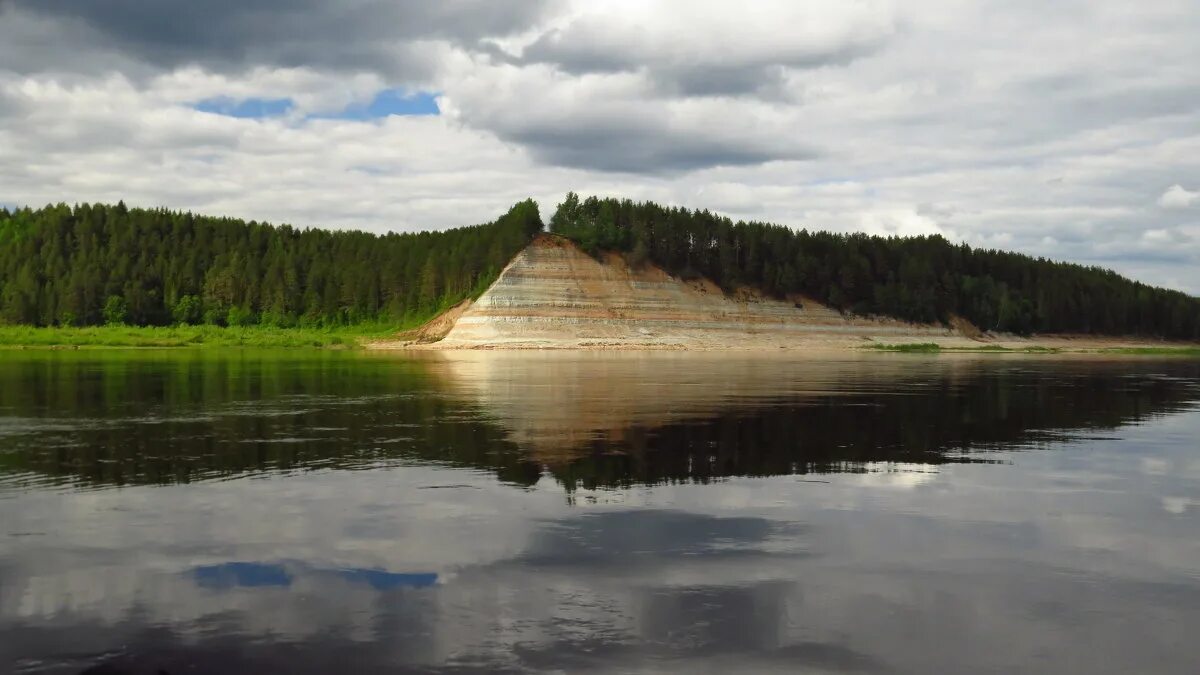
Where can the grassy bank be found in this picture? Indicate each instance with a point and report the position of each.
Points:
(933, 348)
(190, 336)
(912, 347)
(930, 347)
(1174, 351)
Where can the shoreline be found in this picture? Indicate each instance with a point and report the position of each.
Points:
(198, 337)
(374, 338)
(1047, 345)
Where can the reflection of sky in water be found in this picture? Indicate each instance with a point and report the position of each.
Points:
(224, 576)
(1077, 556)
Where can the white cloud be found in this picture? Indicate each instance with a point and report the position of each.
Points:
(1176, 197)
(902, 222)
(673, 43)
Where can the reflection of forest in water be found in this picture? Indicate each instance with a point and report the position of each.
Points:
(594, 420)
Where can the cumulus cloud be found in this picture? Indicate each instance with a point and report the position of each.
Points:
(1176, 197)
(613, 122)
(702, 48)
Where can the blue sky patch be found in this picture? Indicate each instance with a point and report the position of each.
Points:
(250, 108)
(393, 102)
(386, 103)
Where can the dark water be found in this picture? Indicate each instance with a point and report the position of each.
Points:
(261, 513)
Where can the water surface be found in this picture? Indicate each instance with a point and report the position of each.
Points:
(335, 512)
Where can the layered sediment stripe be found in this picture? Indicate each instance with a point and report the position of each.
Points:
(553, 294)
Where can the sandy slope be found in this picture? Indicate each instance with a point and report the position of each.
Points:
(554, 296)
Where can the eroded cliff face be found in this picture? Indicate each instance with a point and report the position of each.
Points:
(554, 295)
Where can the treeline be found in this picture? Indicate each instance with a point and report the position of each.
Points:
(98, 264)
(923, 279)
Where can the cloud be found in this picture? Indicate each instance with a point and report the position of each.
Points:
(1040, 129)
(613, 122)
(233, 35)
(703, 49)
(1176, 197)
(902, 222)
(251, 107)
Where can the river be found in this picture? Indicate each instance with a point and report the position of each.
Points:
(313, 512)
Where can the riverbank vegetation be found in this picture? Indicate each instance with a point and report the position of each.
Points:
(934, 348)
(922, 279)
(198, 336)
(92, 265)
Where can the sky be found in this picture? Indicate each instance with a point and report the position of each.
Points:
(1069, 130)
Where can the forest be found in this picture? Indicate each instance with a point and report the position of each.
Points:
(108, 264)
(921, 279)
(91, 265)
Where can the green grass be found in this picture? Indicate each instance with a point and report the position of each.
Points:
(1034, 349)
(924, 347)
(931, 348)
(191, 336)
(1154, 351)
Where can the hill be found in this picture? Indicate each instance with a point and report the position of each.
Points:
(553, 295)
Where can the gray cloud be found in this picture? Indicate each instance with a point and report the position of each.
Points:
(723, 80)
(727, 54)
(640, 147)
(232, 35)
(755, 76)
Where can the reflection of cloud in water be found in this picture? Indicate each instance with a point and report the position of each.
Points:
(900, 476)
(1178, 505)
(624, 539)
(805, 584)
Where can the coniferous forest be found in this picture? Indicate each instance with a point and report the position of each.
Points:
(98, 264)
(923, 279)
(95, 264)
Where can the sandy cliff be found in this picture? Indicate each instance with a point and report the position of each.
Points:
(553, 295)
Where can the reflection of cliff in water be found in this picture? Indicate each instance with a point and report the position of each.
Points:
(588, 419)
(626, 418)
